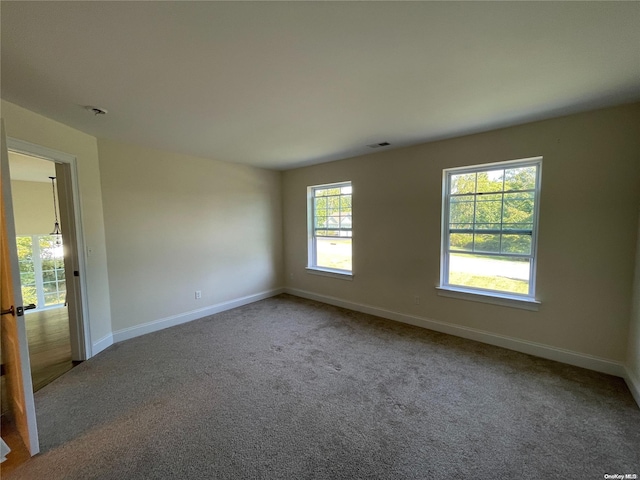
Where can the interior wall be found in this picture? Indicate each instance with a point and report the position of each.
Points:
(25, 125)
(176, 224)
(588, 228)
(32, 207)
(633, 353)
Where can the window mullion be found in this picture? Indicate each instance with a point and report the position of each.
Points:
(475, 209)
(37, 269)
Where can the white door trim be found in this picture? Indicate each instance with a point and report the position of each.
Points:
(83, 343)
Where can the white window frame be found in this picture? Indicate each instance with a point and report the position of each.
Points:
(526, 301)
(312, 265)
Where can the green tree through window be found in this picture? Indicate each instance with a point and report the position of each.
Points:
(42, 275)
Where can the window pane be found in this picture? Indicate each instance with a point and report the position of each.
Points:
(26, 267)
(48, 265)
(25, 249)
(465, 183)
(50, 287)
(518, 207)
(491, 181)
(49, 276)
(321, 222)
(333, 253)
(48, 248)
(346, 190)
(461, 242)
(520, 178)
(461, 209)
(333, 205)
(489, 210)
(333, 222)
(29, 295)
(489, 273)
(516, 244)
(487, 242)
(28, 278)
(52, 299)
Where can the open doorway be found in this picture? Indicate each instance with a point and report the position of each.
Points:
(42, 194)
(43, 275)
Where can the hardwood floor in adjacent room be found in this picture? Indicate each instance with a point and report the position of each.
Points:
(49, 345)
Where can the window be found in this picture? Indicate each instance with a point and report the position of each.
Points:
(490, 218)
(41, 270)
(330, 217)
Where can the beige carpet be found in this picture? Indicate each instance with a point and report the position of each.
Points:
(288, 388)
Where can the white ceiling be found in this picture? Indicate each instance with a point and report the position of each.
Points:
(282, 84)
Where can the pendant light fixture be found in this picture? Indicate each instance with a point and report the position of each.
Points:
(56, 226)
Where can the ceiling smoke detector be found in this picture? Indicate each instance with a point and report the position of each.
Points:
(96, 110)
(378, 145)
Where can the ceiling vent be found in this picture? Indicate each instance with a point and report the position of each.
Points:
(378, 145)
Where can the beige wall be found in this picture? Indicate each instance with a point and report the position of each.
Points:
(32, 207)
(588, 228)
(25, 125)
(176, 224)
(633, 353)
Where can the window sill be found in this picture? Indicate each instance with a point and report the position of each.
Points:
(326, 272)
(495, 299)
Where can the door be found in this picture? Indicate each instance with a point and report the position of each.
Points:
(15, 349)
(71, 265)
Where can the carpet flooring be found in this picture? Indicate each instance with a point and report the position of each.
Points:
(288, 388)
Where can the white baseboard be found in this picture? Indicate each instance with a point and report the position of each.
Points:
(536, 349)
(633, 382)
(100, 345)
(154, 326)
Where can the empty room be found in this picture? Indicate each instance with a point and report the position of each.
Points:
(320, 240)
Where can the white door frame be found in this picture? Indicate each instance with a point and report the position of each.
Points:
(81, 344)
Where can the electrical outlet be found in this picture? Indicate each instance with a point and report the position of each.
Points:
(416, 299)
(198, 294)
(291, 275)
